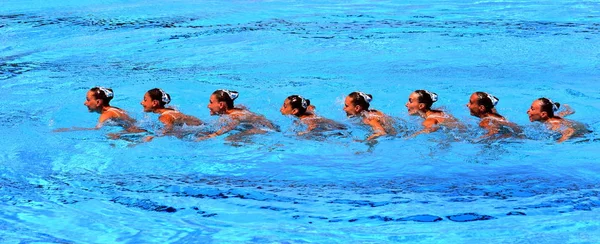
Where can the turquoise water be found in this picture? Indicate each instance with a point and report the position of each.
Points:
(81, 187)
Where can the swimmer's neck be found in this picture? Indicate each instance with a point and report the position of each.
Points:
(232, 110)
(425, 114)
(103, 109)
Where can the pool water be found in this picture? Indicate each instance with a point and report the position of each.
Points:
(82, 187)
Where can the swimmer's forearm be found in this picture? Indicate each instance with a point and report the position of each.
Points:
(567, 111)
(566, 134)
(75, 129)
(206, 137)
(424, 131)
(375, 135)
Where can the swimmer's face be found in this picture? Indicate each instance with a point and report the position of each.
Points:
(148, 103)
(91, 102)
(286, 108)
(350, 108)
(413, 105)
(535, 112)
(474, 106)
(215, 106)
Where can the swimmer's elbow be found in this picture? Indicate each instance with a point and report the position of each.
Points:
(568, 133)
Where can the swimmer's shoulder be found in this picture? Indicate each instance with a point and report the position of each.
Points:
(374, 115)
(113, 113)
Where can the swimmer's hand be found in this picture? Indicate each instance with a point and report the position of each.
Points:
(148, 138)
(567, 110)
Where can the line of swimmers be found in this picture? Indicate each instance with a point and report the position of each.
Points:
(356, 104)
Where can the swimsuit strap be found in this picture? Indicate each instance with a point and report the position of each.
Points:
(170, 112)
(435, 116)
(494, 118)
(117, 110)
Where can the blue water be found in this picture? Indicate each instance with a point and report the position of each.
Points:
(81, 187)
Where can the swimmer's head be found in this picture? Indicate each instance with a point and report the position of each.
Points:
(357, 102)
(221, 100)
(295, 105)
(542, 109)
(481, 103)
(155, 99)
(97, 98)
(420, 100)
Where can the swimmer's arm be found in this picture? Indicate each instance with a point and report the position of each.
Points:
(265, 122)
(311, 125)
(566, 134)
(193, 121)
(491, 127)
(228, 127)
(378, 129)
(167, 122)
(98, 126)
(168, 126)
(516, 128)
(77, 129)
(430, 126)
(108, 115)
(566, 111)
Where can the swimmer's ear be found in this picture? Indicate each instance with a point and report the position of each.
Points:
(222, 105)
(357, 108)
(544, 114)
(154, 103)
(98, 102)
(421, 105)
(481, 108)
(294, 111)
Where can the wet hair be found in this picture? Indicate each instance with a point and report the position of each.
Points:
(104, 94)
(300, 103)
(161, 96)
(548, 106)
(226, 96)
(485, 99)
(426, 97)
(361, 98)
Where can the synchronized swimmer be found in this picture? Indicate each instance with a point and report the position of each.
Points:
(482, 105)
(420, 102)
(543, 110)
(302, 109)
(232, 118)
(97, 100)
(356, 105)
(154, 101)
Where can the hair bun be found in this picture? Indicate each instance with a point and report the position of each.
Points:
(165, 98)
(107, 91)
(368, 97)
